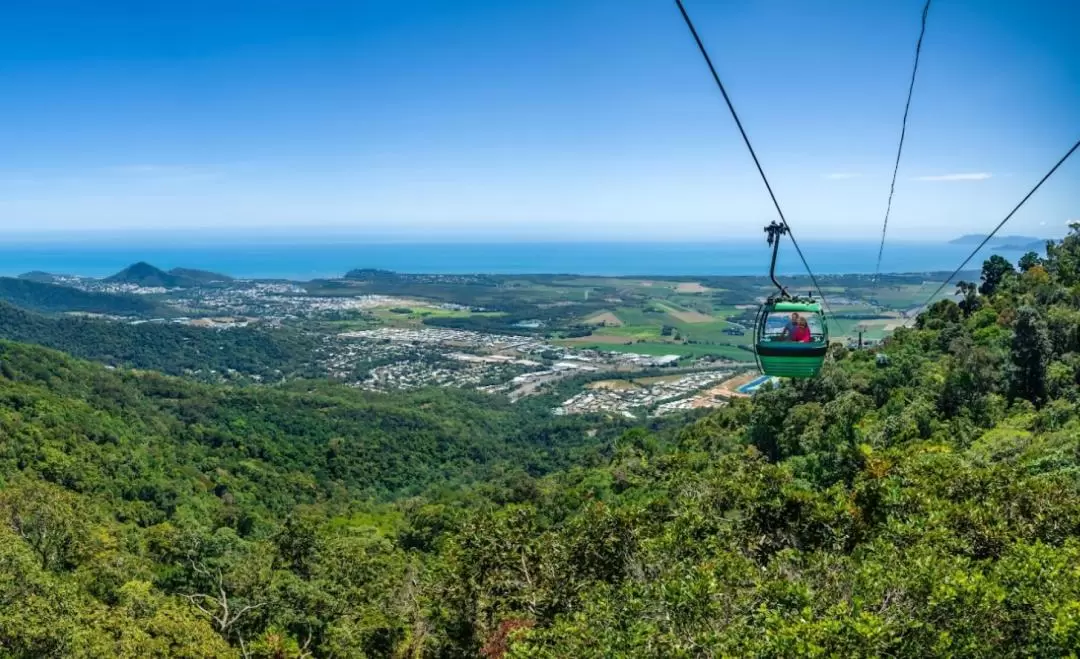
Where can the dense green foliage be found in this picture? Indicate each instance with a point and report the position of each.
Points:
(53, 298)
(167, 347)
(923, 504)
(142, 513)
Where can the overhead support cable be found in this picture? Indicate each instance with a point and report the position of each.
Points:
(750, 147)
(900, 146)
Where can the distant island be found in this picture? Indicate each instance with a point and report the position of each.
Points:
(1011, 243)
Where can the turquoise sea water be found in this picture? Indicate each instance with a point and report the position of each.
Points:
(309, 260)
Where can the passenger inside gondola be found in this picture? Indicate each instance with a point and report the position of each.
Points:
(793, 328)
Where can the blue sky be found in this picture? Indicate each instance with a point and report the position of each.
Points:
(537, 119)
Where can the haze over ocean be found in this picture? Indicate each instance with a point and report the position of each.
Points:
(312, 260)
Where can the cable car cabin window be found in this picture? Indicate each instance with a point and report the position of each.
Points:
(793, 328)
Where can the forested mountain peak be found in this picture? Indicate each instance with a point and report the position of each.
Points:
(144, 274)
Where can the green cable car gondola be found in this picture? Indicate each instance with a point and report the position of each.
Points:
(792, 337)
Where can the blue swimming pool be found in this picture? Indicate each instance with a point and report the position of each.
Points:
(753, 385)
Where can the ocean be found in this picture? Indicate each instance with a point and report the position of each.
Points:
(310, 261)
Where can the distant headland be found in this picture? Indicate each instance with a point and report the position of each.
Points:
(1011, 243)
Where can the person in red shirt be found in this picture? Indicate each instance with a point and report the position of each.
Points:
(801, 334)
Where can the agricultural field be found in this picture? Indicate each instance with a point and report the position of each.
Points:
(416, 313)
(666, 324)
(685, 315)
(690, 287)
(605, 318)
(906, 296)
(873, 328)
(654, 316)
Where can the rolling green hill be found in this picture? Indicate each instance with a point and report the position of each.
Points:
(199, 277)
(39, 276)
(52, 298)
(166, 347)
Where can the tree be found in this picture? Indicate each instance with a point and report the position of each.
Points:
(938, 315)
(1031, 351)
(49, 519)
(971, 373)
(767, 422)
(970, 304)
(1063, 259)
(1029, 261)
(1064, 326)
(994, 271)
